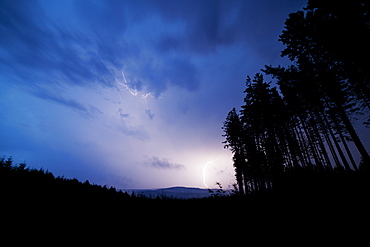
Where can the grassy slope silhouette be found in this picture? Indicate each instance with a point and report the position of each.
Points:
(31, 195)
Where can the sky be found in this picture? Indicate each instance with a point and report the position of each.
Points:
(131, 94)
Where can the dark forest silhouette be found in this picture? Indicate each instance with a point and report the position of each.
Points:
(290, 145)
(297, 135)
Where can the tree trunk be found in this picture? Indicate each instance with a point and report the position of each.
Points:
(310, 141)
(321, 151)
(246, 182)
(346, 146)
(353, 134)
(330, 145)
(321, 141)
(239, 179)
(303, 147)
(339, 149)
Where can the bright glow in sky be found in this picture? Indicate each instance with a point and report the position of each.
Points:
(131, 94)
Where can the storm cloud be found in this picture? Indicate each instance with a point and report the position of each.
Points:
(113, 85)
(85, 43)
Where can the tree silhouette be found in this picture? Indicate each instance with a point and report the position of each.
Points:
(263, 138)
(328, 42)
(288, 135)
(233, 132)
(261, 146)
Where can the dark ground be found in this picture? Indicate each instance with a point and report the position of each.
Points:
(36, 206)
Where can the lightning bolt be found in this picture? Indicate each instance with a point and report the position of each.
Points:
(125, 85)
(205, 170)
(144, 96)
(133, 92)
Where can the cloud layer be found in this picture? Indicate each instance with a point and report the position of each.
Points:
(92, 89)
(164, 163)
(79, 43)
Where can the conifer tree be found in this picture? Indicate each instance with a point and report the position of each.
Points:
(328, 42)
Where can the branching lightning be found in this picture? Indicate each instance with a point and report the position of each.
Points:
(133, 92)
(125, 85)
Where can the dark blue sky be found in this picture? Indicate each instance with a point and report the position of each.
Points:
(130, 93)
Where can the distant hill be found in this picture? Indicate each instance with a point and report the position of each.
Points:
(172, 192)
